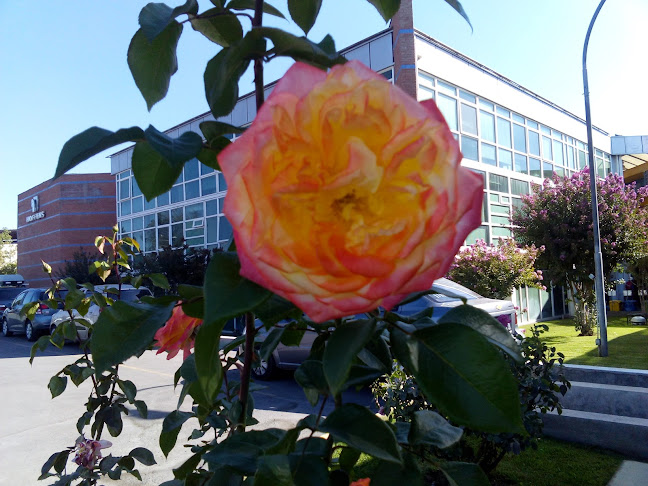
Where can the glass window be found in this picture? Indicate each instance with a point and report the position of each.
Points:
(426, 78)
(469, 148)
(205, 169)
(560, 171)
(192, 189)
(138, 223)
(480, 233)
(163, 218)
(177, 193)
(425, 93)
(534, 143)
(519, 138)
(545, 130)
(448, 107)
(149, 240)
(570, 157)
(125, 208)
(547, 170)
(138, 204)
(494, 198)
(521, 164)
(519, 187)
(139, 237)
(136, 190)
(177, 235)
(485, 209)
(125, 226)
(498, 183)
(499, 232)
(547, 153)
(195, 232)
(222, 185)
(467, 96)
(163, 199)
(534, 167)
(194, 211)
(486, 104)
(505, 199)
(445, 87)
(149, 221)
(488, 154)
(500, 220)
(532, 124)
(503, 112)
(487, 126)
(176, 215)
(208, 185)
(149, 204)
(212, 207)
(124, 189)
(505, 159)
(212, 230)
(163, 236)
(225, 228)
(558, 152)
(191, 170)
(180, 179)
(500, 209)
(518, 118)
(196, 241)
(468, 119)
(504, 132)
(582, 159)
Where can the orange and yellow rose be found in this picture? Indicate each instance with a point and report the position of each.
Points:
(346, 194)
(177, 334)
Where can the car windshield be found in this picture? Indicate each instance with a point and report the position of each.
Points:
(446, 291)
(10, 293)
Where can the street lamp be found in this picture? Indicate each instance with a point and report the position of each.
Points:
(598, 257)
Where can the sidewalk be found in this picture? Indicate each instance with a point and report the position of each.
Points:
(631, 473)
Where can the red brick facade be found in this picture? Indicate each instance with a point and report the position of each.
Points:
(404, 49)
(76, 208)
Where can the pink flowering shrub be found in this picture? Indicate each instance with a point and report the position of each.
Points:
(494, 271)
(87, 452)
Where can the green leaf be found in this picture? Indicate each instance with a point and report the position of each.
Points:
(194, 302)
(214, 129)
(309, 470)
(141, 407)
(176, 151)
(124, 330)
(276, 309)
(218, 26)
(304, 12)
(187, 467)
(273, 470)
(358, 427)
(129, 389)
(170, 429)
(302, 49)
(224, 70)
(489, 327)
(362, 375)
(159, 280)
(143, 455)
(40, 345)
(430, 428)
(73, 299)
(464, 473)
(463, 375)
(457, 6)
(209, 155)
(227, 294)
(249, 5)
(91, 142)
(389, 473)
(310, 376)
(207, 355)
(57, 385)
(342, 348)
(270, 343)
(153, 63)
(154, 175)
(29, 310)
(348, 458)
(113, 420)
(386, 8)
(155, 17)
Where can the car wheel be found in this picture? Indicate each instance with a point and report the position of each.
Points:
(5, 328)
(262, 369)
(30, 333)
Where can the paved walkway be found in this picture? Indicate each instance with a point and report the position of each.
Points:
(631, 473)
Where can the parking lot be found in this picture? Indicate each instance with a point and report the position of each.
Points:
(33, 425)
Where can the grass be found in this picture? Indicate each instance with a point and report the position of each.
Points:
(627, 344)
(554, 462)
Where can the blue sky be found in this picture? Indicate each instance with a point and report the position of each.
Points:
(63, 67)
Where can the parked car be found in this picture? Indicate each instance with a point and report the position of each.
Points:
(128, 294)
(15, 322)
(448, 295)
(7, 296)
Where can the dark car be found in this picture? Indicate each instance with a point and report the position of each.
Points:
(448, 294)
(7, 295)
(15, 322)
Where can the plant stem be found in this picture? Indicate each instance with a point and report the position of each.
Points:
(250, 332)
(258, 62)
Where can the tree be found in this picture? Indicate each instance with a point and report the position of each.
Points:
(8, 264)
(558, 216)
(79, 268)
(494, 271)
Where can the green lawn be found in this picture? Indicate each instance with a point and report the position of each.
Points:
(627, 344)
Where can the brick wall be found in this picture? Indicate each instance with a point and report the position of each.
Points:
(404, 49)
(77, 208)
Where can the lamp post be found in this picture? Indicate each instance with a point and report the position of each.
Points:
(602, 342)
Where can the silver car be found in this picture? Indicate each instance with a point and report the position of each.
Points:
(13, 321)
(128, 294)
(448, 295)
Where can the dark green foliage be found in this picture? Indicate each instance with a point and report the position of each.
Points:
(78, 269)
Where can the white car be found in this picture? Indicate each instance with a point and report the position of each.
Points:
(128, 294)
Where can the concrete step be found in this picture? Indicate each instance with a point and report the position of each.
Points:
(605, 375)
(626, 435)
(627, 401)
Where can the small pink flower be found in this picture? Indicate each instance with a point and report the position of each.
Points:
(177, 334)
(87, 452)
